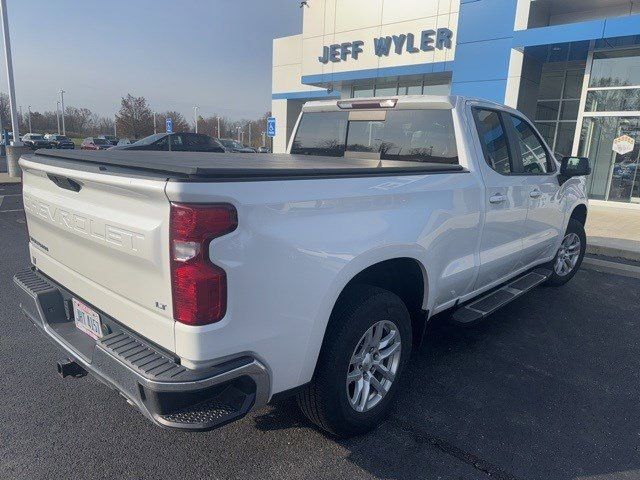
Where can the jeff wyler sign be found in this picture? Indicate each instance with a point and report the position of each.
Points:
(427, 41)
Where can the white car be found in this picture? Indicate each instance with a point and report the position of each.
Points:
(201, 285)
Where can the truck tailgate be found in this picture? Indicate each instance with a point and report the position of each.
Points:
(105, 237)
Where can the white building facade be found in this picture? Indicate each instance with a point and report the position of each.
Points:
(573, 66)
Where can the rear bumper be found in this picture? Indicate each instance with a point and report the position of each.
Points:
(167, 393)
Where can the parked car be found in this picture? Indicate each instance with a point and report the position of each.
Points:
(235, 146)
(123, 141)
(177, 142)
(8, 139)
(95, 143)
(264, 150)
(35, 141)
(59, 141)
(112, 139)
(201, 286)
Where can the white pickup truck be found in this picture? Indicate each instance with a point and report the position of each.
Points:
(202, 285)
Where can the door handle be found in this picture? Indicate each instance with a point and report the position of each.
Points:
(535, 193)
(497, 198)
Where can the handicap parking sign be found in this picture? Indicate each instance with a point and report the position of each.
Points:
(271, 127)
(169, 124)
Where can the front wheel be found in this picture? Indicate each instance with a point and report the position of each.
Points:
(366, 347)
(569, 256)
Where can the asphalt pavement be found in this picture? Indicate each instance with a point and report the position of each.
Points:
(547, 388)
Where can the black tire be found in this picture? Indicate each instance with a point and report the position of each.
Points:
(555, 280)
(325, 399)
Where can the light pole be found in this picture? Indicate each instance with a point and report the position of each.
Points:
(29, 116)
(62, 92)
(195, 118)
(58, 115)
(155, 130)
(249, 128)
(9, 64)
(115, 126)
(239, 130)
(218, 127)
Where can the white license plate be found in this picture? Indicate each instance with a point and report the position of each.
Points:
(86, 319)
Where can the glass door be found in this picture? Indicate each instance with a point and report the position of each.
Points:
(614, 176)
(610, 113)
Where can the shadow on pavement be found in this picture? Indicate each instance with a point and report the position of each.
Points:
(547, 388)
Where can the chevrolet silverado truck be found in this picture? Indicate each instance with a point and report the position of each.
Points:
(203, 285)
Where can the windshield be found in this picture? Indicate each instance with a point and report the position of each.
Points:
(33, 136)
(100, 141)
(419, 135)
(231, 143)
(150, 139)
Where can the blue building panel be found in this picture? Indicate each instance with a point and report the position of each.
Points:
(573, 32)
(490, 90)
(481, 61)
(486, 20)
(622, 26)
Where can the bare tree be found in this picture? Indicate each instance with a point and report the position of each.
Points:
(135, 119)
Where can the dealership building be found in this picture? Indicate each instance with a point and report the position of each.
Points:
(573, 66)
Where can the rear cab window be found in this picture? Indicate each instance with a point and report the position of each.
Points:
(420, 135)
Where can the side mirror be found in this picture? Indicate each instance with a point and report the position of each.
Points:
(575, 167)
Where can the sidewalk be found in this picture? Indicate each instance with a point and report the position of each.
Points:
(613, 230)
(5, 178)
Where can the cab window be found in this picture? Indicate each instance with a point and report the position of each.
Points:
(493, 138)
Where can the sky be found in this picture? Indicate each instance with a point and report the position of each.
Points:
(215, 54)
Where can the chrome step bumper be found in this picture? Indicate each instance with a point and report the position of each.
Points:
(167, 393)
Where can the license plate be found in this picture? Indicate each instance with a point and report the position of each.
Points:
(86, 319)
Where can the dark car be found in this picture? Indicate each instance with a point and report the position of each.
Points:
(177, 142)
(35, 141)
(59, 141)
(264, 150)
(113, 140)
(95, 143)
(231, 145)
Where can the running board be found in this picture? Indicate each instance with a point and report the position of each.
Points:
(486, 305)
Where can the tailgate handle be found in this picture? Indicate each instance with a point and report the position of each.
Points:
(64, 182)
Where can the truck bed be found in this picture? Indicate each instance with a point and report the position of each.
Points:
(238, 166)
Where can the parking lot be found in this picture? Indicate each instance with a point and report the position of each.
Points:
(547, 388)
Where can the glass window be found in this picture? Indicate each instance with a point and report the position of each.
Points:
(573, 84)
(547, 130)
(366, 91)
(410, 89)
(615, 68)
(618, 100)
(321, 133)
(570, 110)
(547, 110)
(564, 142)
(551, 86)
(494, 140)
(437, 89)
(534, 156)
(412, 135)
(386, 90)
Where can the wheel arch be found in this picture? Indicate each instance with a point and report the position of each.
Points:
(377, 270)
(579, 213)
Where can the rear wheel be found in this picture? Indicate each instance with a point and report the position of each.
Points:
(366, 348)
(570, 254)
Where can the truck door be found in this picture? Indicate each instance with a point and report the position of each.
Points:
(506, 198)
(545, 215)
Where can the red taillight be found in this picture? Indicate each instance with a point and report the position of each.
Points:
(199, 287)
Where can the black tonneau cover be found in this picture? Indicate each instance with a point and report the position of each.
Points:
(244, 166)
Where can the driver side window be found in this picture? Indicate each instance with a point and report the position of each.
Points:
(534, 155)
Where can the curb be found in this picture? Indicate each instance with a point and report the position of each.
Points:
(616, 268)
(613, 252)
